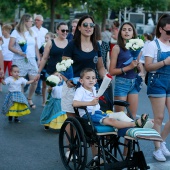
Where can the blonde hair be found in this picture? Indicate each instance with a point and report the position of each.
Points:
(75, 21)
(7, 28)
(21, 28)
(51, 35)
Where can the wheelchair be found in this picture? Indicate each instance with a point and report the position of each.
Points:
(78, 134)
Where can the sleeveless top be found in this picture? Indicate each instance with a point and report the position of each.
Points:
(123, 60)
(55, 57)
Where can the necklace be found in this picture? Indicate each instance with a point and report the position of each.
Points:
(86, 48)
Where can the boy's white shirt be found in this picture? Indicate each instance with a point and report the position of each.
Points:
(82, 94)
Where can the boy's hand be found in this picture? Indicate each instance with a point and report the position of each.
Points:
(95, 101)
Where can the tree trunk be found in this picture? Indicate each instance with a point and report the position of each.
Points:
(52, 7)
(103, 22)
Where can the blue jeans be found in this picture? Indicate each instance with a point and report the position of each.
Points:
(158, 85)
(124, 86)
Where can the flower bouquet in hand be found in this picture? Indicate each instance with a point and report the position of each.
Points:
(65, 68)
(52, 81)
(134, 46)
(23, 46)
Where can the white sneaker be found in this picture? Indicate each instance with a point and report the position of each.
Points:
(164, 149)
(101, 160)
(158, 155)
(67, 154)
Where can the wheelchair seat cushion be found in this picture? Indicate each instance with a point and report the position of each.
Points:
(144, 133)
(104, 129)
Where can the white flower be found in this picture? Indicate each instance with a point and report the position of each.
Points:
(53, 79)
(134, 44)
(21, 42)
(63, 65)
(128, 45)
(60, 67)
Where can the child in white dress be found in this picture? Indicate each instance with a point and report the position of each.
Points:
(15, 103)
(52, 115)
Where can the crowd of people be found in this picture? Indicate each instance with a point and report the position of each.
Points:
(30, 54)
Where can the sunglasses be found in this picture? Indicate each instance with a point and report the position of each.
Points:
(85, 24)
(37, 20)
(64, 31)
(167, 32)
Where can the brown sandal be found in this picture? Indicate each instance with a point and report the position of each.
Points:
(33, 106)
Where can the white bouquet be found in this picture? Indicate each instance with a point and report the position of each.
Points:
(52, 81)
(65, 68)
(64, 65)
(23, 46)
(134, 46)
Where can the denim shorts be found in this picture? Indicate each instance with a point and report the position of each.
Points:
(97, 117)
(158, 85)
(124, 86)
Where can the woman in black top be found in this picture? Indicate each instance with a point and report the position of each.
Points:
(54, 50)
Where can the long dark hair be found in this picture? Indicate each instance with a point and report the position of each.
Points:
(163, 20)
(120, 40)
(77, 34)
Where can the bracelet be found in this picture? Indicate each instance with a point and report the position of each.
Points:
(67, 81)
(122, 71)
(164, 62)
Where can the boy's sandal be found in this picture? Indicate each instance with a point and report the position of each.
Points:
(144, 118)
(33, 106)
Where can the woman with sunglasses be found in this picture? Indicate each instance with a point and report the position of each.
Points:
(84, 50)
(54, 50)
(157, 63)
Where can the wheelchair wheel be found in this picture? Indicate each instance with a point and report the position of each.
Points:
(72, 145)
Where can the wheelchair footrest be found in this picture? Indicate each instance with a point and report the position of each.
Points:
(137, 161)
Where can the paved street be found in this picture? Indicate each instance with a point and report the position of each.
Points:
(28, 146)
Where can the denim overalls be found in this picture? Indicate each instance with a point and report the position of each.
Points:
(159, 82)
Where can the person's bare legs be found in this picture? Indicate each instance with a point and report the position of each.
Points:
(31, 91)
(44, 92)
(133, 100)
(158, 106)
(166, 129)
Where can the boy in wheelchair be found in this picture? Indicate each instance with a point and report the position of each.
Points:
(85, 96)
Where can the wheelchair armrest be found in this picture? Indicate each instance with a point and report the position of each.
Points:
(82, 107)
(121, 103)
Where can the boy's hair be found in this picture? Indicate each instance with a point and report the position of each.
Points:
(13, 66)
(86, 70)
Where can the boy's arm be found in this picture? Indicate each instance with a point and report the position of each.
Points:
(84, 103)
(30, 82)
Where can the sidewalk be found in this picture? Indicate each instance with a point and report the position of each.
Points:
(160, 165)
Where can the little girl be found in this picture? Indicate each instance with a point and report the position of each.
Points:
(43, 76)
(52, 115)
(15, 103)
